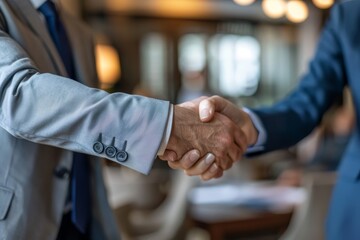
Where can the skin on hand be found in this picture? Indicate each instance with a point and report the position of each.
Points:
(219, 136)
(207, 108)
(206, 168)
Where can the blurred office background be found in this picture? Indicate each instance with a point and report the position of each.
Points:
(252, 52)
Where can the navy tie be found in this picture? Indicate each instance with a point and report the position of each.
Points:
(80, 181)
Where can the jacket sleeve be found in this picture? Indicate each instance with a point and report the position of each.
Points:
(290, 120)
(49, 109)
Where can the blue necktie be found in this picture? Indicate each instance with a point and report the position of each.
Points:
(80, 181)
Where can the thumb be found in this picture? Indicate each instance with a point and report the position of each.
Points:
(209, 106)
(206, 110)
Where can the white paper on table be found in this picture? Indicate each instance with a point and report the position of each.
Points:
(232, 194)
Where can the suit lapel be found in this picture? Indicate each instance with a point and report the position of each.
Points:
(32, 19)
(79, 36)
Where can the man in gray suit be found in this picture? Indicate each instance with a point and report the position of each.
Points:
(46, 117)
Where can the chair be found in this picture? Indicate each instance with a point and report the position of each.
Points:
(308, 221)
(166, 222)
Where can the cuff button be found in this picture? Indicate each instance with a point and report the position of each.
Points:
(110, 151)
(98, 147)
(122, 156)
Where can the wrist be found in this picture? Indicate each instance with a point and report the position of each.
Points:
(250, 130)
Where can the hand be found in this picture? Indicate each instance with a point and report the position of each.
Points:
(220, 136)
(206, 168)
(207, 108)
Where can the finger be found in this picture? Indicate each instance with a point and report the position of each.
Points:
(174, 165)
(225, 163)
(226, 148)
(201, 166)
(234, 152)
(169, 155)
(219, 175)
(236, 142)
(212, 172)
(221, 152)
(189, 159)
(237, 149)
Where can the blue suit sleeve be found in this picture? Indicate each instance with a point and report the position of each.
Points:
(290, 120)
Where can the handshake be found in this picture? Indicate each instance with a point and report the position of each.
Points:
(208, 135)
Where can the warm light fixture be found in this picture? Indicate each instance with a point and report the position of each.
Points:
(107, 65)
(244, 2)
(274, 8)
(323, 4)
(297, 11)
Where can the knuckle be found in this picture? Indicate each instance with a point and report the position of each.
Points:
(186, 165)
(173, 165)
(227, 165)
(219, 174)
(222, 153)
(238, 154)
(226, 139)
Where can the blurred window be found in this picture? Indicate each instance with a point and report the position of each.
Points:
(192, 51)
(153, 55)
(234, 64)
(192, 64)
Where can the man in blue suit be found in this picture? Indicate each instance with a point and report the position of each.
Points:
(335, 65)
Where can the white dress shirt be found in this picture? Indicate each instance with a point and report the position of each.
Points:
(37, 3)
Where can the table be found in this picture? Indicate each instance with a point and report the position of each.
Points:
(230, 222)
(245, 210)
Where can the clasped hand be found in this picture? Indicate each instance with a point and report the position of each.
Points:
(208, 136)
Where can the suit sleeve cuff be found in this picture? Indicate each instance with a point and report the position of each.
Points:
(167, 132)
(259, 145)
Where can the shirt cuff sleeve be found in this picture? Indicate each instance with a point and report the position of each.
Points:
(259, 145)
(167, 132)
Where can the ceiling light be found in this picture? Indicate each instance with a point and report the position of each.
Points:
(297, 11)
(244, 2)
(274, 8)
(323, 4)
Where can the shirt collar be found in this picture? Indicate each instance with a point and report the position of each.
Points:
(37, 3)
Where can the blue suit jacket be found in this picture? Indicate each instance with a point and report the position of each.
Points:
(335, 65)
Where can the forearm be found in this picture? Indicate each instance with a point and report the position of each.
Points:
(53, 110)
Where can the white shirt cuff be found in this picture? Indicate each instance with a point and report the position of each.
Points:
(262, 136)
(167, 132)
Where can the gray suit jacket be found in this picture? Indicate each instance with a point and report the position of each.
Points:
(44, 117)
